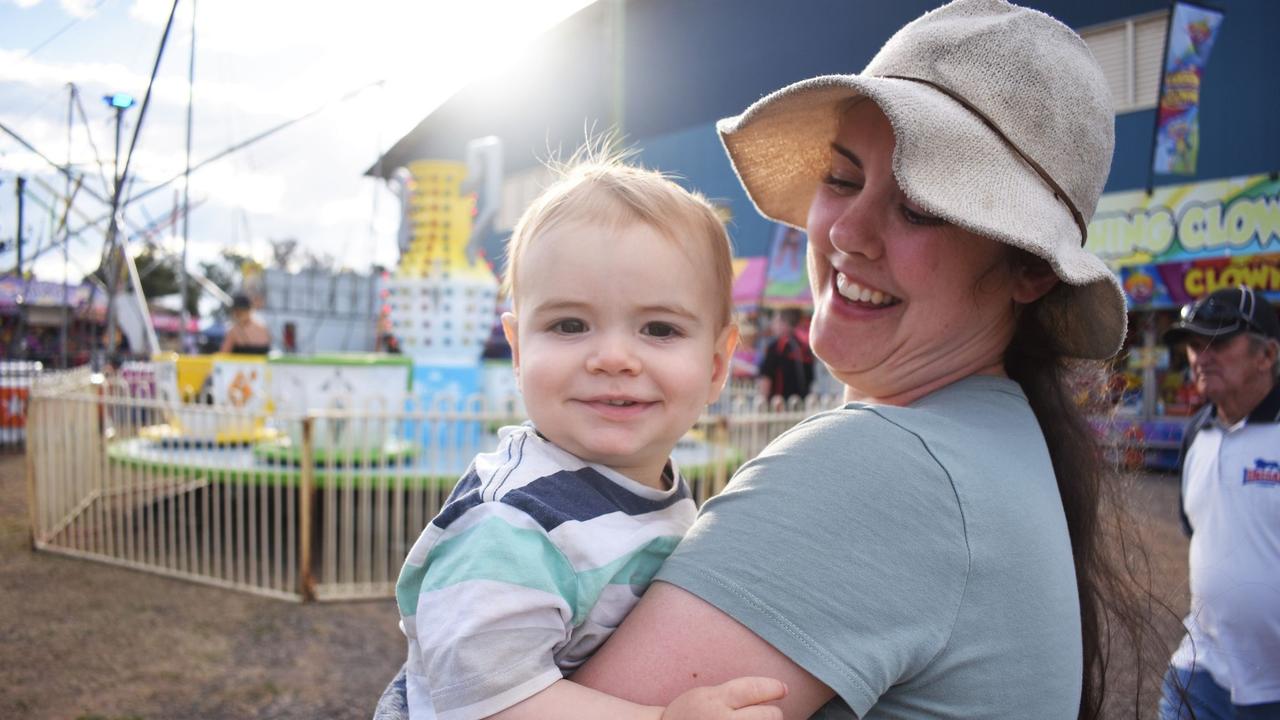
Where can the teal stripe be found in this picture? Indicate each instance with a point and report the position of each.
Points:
(495, 550)
(408, 586)
(490, 550)
(635, 569)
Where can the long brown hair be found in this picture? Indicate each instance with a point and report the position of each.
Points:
(1116, 602)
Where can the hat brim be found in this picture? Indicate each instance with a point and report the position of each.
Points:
(1180, 332)
(948, 161)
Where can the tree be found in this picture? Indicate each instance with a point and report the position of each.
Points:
(158, 273)
(282, 252)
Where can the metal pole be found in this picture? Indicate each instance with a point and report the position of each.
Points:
(67, 315)
(306, 498)
(115, 163)
(184, 316)
(108, 266)
(21, 190)
(19, 335)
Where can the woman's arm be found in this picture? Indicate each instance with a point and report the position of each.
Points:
(738, 699)
(674, 641)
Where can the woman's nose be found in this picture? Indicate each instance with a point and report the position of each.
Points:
(856, 230)
(613, 355)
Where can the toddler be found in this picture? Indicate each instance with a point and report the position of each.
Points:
(621, 334)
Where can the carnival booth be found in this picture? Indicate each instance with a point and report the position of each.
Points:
(1171, 248)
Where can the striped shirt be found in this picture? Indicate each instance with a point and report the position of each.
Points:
(533, 561)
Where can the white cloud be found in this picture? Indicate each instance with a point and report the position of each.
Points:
(79, 8)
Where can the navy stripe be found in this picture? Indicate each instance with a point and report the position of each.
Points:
(464, 496)
(582, 495)
(468, 482)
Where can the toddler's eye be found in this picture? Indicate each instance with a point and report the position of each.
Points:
(661, 330)
(569, 326)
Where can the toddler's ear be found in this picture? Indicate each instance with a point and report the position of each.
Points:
(513, 339)
(723, 360)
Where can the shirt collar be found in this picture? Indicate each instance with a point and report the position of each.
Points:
(1267, 411)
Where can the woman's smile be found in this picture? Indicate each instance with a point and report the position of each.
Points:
(863, 294)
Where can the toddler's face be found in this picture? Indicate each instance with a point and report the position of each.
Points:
(616, 342)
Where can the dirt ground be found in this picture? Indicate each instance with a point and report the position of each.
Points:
(85, 640)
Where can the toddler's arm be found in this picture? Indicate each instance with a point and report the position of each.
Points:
(739, 699)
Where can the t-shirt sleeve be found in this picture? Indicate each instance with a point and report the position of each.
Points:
(842, 545)
(496, 599)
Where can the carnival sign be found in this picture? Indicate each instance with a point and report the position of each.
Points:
(1192, 30)
(1185, 241)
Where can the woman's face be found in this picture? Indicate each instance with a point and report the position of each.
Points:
(903, 302)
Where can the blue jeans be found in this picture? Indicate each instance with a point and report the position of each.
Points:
(1206, 699)
(394, 703)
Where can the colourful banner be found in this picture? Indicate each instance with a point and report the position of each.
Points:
(1178, 283)
(787, 280)
(1185, 241)
(748, 281)
(15, 291)
(1192, 30)
(1234, 216)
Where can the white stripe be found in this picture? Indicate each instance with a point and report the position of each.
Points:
(475, 607)
(433, 535)
(502, 701)
(593, 543)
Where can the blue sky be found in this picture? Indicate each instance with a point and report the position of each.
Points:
(258, 63)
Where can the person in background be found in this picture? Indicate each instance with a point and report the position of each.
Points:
(247, 335)
(786, 371)
(290, 337)
(1229, 660)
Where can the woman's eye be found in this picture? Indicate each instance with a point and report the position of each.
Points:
(916, 217)
(841, 184)
(661, 330)
(569, 326)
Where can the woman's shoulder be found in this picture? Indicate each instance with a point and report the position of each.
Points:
(954, 409)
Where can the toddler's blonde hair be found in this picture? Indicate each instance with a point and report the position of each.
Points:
(599, 186)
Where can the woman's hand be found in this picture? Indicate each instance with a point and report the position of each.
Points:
(739, 699)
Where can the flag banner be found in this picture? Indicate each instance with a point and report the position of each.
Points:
(787, 280)
(1192, 30)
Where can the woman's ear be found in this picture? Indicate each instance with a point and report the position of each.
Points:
(1033, 278)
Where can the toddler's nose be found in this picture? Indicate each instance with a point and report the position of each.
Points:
(613, 355)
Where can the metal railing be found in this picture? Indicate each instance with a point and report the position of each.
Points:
(320, 506)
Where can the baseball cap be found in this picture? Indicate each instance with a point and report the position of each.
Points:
(1226, 312)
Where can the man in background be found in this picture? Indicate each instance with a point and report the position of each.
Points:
(1228, 665)
(787, 368)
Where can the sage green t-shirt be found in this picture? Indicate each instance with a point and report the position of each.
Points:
(916, 560)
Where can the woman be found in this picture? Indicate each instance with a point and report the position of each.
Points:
(247, 336)
(930, 550)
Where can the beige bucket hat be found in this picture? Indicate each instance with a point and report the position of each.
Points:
(1004, 127)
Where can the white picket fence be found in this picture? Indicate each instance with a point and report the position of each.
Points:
(320, 506)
